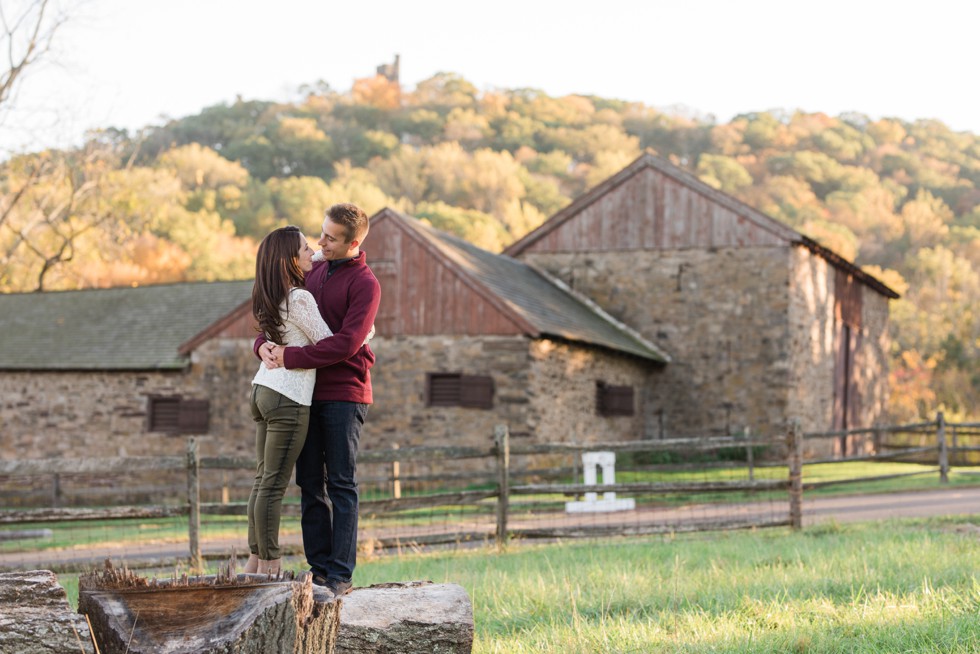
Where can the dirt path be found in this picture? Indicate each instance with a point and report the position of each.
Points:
(858, 508)
(958, 501)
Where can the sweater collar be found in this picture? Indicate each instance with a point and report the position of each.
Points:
(334, 265)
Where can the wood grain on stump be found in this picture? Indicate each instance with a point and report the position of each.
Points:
(245, 614)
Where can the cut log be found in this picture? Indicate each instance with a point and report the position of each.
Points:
(35, 617)
(224, 613)
(416, 617)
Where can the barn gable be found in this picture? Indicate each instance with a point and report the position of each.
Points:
(426, 293)
(239, 323)
(654, 205)
(434, 284)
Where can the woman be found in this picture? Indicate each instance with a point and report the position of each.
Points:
(280, 400)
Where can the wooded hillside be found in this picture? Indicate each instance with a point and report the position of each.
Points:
(190, 199)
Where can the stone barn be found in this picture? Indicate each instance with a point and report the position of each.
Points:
(126, 371)
(468, 339)
(761, 323)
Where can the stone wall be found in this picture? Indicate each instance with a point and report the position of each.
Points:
(815, 343)
(78, 414)
(84, 414)
(223, 369)
(562, 394)
(751, 333)
(720, 314)
(399, 415)
(871, 360)
(104, 413)
(544, 391)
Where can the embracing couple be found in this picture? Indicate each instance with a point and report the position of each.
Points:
(310, 396)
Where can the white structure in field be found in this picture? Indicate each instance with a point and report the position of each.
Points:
(590, 466)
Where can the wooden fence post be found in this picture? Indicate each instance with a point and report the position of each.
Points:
(194, 504)
(794, 445)
(502, 439)
(577, 471)
(396, 482)
(56, 490)
(225, 491)
(954, 445)
(749, 454)
(943, 450)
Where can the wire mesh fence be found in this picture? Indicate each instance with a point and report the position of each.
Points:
(167, 511)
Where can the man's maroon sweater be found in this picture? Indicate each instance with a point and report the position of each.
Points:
(348, 300)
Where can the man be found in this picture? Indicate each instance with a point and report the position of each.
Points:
(347, 294)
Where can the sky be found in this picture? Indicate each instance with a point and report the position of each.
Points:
(137, 63)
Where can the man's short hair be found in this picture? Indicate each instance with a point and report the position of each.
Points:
(352, 218)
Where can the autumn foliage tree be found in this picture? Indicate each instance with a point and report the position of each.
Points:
(189, 199)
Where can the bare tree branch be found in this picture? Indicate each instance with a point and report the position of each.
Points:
(10, 200)
(26, 37)
(60, 205)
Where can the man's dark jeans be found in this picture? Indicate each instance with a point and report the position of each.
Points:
(327, 468)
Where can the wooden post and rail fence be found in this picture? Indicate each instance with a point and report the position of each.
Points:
(875, 444)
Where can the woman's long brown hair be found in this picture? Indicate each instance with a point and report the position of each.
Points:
(276, 272)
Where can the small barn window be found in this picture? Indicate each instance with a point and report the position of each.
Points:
(455, 389)
(613, 400)
(194, 417)
(175, 415)
(164, 413)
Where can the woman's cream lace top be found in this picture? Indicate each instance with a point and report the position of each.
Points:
(302, 325)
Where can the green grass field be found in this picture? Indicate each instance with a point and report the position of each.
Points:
(890, 587)
(895, 586)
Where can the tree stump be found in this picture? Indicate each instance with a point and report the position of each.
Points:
(416, 617)
(35, 617)
(217, 614)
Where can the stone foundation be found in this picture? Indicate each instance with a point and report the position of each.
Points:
(749, 331)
